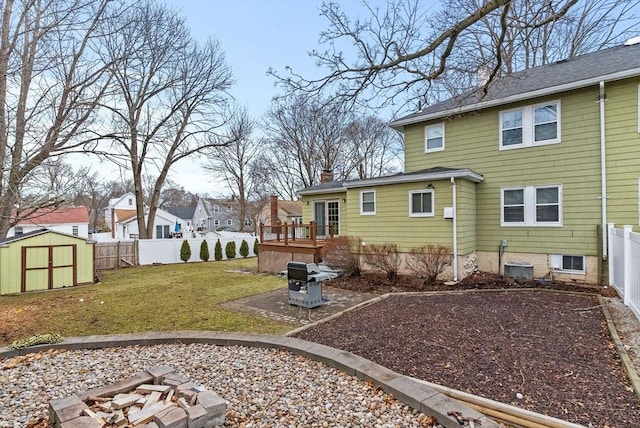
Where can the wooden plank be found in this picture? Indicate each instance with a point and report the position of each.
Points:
(146, 415)
(125, 401)
(151, 388)
(169, 396)
(153, 398)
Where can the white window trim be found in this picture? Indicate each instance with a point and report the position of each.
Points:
(375, 204)
(433, 203)
(216, 222)
(530, 207)
(555, 262)
(426, 131)
(528, 128)
(229, 222)
(216, 209)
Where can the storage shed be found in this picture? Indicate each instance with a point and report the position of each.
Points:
(44, 260)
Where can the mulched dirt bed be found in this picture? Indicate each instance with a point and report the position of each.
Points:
(553, 348)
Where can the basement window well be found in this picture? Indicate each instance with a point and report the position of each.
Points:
(567, 263)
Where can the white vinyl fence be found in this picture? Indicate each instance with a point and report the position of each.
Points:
(624, 265)
(165, 251)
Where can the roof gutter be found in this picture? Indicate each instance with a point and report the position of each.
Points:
(400, 123)
(410, 178)
(338, 189)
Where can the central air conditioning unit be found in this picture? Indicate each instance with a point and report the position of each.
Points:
(518, 270)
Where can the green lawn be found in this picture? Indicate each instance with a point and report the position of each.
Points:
(146, 298)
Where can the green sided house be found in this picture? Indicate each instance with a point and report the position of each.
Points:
(529, 173)
(43, 260)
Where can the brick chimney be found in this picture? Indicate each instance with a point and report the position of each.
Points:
(273, 203)
(326, 176)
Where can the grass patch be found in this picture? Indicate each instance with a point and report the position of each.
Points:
(146, 298)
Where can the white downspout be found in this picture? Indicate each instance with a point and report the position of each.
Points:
(454, 188)
(603, 171)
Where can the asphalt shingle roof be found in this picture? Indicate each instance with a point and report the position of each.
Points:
(185, 213)
(584, 70)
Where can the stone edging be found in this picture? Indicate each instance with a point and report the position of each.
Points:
(407, 390)
(627, 365)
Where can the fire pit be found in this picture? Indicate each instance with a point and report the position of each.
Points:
(156, 398)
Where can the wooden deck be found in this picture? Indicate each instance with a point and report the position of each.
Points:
(283, 243)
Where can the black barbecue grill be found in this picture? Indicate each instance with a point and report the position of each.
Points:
(305, 284)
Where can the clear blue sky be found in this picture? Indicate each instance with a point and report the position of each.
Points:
(256, 35)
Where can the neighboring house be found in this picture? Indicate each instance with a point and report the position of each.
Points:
(120, 220)
(531, 171)
(164, 226)
(216, 214)
(280, 211)
(185, 214)
(124, 202)
(69, 220)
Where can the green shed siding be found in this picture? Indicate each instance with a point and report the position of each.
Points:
(472, 141)
(38, 257)
(623, 152)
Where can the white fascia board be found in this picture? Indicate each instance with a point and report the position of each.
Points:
(400, 123)
(340, 189)
(459, 173)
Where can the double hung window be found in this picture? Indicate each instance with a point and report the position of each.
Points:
(368, 202)
(531, 206)
(530, 126)
(434, 138)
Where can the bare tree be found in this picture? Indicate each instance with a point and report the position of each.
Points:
(235, 163)
(94, 192)
(407, 54)
(55, 178)
(306, 136)
(534, 36)
(171, 96)
(174, 195)
(376, 148)
(274, 174)
(50, 88)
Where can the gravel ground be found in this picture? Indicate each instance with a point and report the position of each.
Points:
(264, 387)
(628, 328)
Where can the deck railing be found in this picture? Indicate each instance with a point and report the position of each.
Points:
(296, 233)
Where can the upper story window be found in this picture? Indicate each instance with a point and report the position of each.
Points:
(19, 230)
(368, 202)
(130, 201)
(216, 222)
(434, 138)
(74, 230)
(530, 126)
(531, 206)
(216, 208)
(247, 222)
(229, 222)
(421, 203)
